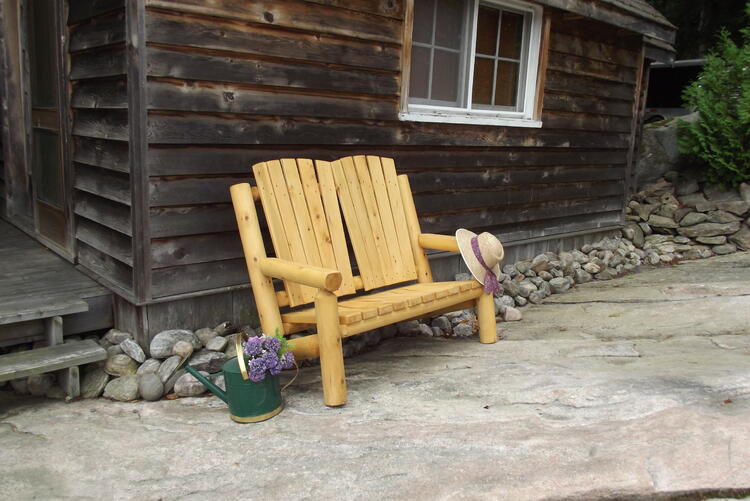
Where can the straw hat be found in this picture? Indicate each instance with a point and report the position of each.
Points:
(482, 254)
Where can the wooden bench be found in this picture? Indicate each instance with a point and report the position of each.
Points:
(62, 357)
(303, 202)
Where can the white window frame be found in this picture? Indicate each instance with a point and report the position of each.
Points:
(482, 116)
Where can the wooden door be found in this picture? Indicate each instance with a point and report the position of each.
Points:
(47, 153)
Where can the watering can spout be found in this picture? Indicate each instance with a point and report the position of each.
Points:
(208, 384)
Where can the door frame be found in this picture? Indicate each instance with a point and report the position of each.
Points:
(17, 144)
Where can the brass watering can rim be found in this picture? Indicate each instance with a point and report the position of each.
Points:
(240, 354)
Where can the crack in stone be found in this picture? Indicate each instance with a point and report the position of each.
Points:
(14, 429)
(644, 301)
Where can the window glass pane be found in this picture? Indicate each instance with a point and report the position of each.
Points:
(449, 23)
(423, 12)
(420, 72)
(506, 86)
(511, 35)
(487, 21)
(47, 167)
(445, 76)
(483, 75)
(43, 53)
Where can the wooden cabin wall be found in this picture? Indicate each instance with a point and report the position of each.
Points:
(99, 101)
(240, 82)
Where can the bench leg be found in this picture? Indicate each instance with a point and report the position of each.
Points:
(70, 382)
(486, 317)
(331, 352)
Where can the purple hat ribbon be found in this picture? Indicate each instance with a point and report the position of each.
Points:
(491, 285)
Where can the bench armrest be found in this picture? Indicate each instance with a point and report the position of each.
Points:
(438, 242)
(305, 274)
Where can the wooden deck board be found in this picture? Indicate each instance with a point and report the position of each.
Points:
(36, 283)
(52, 358)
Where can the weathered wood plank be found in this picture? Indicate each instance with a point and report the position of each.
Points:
(557, 226)
(78, 10)
(100, 31)
(583, 46)
(104, 183)
(26, 308)
(105, 62)
(559, 101)
(105, 212)
(179, 251)
(295, 74)
(239, 37)
(181, 128)
(191, 191)
(52, 358)
(227, 98)
(108, 268)
(295, 14)
(111, 155)
(199, 219)
(562, 81)
(201, 276)
(589, 67)
(574, 121)
(100, 93)
(388, 8)
(101, 124)
(105, 240)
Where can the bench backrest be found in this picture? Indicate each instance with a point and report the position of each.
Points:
(303, 202)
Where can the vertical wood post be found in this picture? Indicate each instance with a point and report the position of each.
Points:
(331, 352)
(252, 245)
(486, 317)
(424, 274)
(53, 329)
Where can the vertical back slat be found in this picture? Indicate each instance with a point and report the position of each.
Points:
(361, 175)
(399, 218)
(300, 210)
(275, 225)
(357, 223)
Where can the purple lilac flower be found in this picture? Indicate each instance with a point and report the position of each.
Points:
(272, 344)
(253, 346)
(287, 360)
(257, 370)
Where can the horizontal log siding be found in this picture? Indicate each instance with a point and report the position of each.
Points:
(242, 82)
(100, 140)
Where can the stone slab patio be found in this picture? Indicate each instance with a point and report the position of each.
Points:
(635, 388)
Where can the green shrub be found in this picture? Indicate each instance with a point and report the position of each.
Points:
(721, 138)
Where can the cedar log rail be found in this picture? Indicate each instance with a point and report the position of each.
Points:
(303, 202)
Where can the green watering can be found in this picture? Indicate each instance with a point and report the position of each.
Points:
(249, 402)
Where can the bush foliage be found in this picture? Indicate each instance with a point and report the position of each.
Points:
(721, 94)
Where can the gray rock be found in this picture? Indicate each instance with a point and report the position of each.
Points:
(741, 238)
(745, 192)
(705, 207)
(512, 314)
(667, 210)
(120, 365)
(116, 336)
(738, 207)
(520, 301)
(39, 384)
(20, 386)
(133, 350)
(606, 274)
(558, 285)
(209, 361)
(463, 277)
(463, 330)
(693, 199)
(634, 233)
(188, 386)
(685, 186)
(537, 281)
(437, 332)
(225, 328)
(408, 328)
(511, 287)
(503, 302)
(719, 194)
(218, 380)
(592, 268)
(710, 229)
(113, 350)
(718, 240)
(545, 275)
(510, 270)
(163, 342)
(540, 263)
(645, 211)
(646, 228)
(168, 367)
(582, 277)
(544, 289)
(182, 349)
(662, 222)
(425, 330)
(123, 389)
(150, 387)
(93, 382)
(218, 343)
(169, 383)
(681, 240)
(579, 256)
(693, 218)
(525, 288)
(55, 392)
(721, 216)
(523, 266)
(205, 334)
(444, 324)
(535, 297)
(150, 366)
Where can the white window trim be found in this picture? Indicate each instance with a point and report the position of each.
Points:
(448, 114)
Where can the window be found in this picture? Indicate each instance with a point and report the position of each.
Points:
(474, 62)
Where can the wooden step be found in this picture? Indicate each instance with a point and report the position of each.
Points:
(24, 308)
(52, 358)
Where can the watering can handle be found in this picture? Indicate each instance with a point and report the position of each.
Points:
(240, 354)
